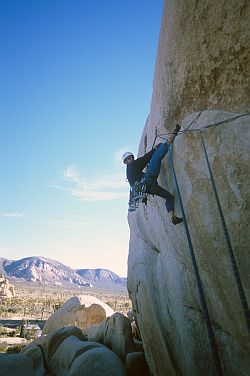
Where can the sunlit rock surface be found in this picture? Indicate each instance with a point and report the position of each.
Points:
(83, 311)
(200, 79)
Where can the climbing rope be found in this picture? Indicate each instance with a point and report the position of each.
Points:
(227, 238)
(226, 234)
(197, 130)
(210, 331)
(242, 296)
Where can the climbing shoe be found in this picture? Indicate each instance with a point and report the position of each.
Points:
(176, 220)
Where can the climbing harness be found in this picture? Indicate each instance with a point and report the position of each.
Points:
(137, 195)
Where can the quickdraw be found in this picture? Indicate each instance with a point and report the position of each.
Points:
(137, 195)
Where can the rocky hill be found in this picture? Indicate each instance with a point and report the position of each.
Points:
(42, 270)
(103, 278)
(51, 272)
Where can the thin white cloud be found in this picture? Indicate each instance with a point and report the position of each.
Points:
(90, 195)
(98, 196)
(105, 188)
(12, 214)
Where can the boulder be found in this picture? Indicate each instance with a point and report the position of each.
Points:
(83, 311)
(71, 348)
(56, 337)
(136, 364)
(35, 353)
(6, 289)
(65, 351)
(115, 333)
(15, 365)
(48, 344)
(98, 361)
(138, 345)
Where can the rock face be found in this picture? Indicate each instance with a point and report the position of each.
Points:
(83, 311)
(6, 289)
(200, 79)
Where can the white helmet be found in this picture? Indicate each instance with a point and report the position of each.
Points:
(126, 155)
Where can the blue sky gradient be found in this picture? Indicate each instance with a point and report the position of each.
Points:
(76, 84)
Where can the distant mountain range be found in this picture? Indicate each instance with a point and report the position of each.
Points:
(53, 273)
(100, 277)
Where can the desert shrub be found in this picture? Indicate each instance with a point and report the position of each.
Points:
(3, 347)
(12, 334)
(14, 349)
(12, 310)
(3, 331)
(30, 334)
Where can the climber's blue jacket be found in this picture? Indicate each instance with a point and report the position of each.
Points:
(134, 169)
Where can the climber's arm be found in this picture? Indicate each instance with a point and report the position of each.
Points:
(142, 162)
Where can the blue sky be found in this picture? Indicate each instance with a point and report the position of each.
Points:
(76, 83)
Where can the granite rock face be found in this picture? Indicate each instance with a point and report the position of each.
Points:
(200, 79)
(83, 311)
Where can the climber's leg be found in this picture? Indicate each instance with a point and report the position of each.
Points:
(154, 166)
(156, 189)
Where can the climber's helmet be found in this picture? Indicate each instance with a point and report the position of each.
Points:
(126, 156)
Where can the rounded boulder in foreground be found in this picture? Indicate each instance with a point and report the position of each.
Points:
(82, 311)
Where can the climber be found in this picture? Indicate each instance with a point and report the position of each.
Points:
(154, 158)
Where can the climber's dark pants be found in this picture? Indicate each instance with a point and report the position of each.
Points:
(152, 174)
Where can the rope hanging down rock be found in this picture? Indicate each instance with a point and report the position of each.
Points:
(239, 285)
(227, 238)
(242, 296)
(210, 331)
